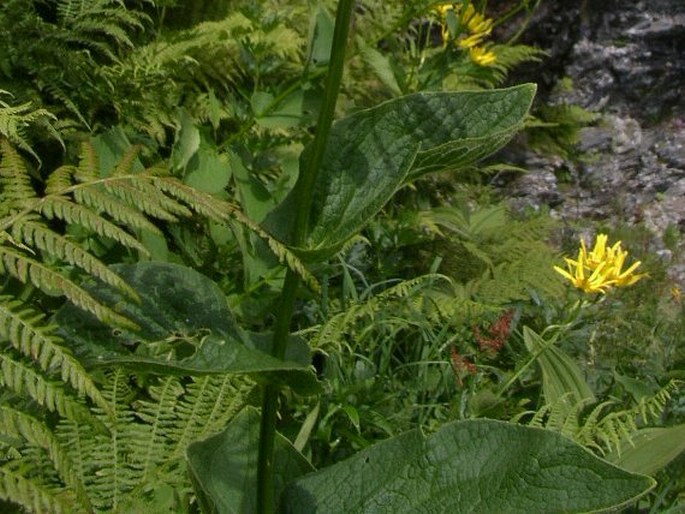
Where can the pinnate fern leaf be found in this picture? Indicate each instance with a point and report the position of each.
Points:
(16, 119)
(602, 429)
(15, 423)
(32, 496)
(27, 382)
(22, 327)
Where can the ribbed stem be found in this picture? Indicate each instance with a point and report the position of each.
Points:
(304, 189)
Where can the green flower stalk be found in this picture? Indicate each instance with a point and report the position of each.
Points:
(304, 190)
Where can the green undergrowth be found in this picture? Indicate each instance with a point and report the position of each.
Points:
(148, 155)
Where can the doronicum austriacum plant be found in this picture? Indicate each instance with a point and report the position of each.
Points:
(79, 434)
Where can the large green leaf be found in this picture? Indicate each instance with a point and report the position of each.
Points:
(186, 328)
(471, 466)
(650, 449)
(372, 153)
(224, 467)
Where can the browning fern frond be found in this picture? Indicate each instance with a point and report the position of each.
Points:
(31, 271)
(118, 204)
(59, 207)
(79, 194)
(39, 236)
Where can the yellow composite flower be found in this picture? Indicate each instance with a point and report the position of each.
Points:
(478, 27)
(476, 22)
(444, 7)
(482, 56)
(471, 41)
(600, 269)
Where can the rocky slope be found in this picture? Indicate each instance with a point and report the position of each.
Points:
(626, 62)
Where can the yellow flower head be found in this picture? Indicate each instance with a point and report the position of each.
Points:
(482, 56)
(476, 22)
(444, 7)
(475, 26)
(601, 269)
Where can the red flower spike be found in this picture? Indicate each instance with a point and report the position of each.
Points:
(497, 334)
(461, 366)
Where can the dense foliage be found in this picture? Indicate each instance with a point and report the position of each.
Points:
(142, 139)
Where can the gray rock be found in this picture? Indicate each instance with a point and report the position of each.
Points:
(625, 60)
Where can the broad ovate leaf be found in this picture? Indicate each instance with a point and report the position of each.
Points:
(186, 328)
(224, 467)
(476, 466)
(374, 152)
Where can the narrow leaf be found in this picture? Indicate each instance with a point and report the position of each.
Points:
(561, 376)
(651, 449)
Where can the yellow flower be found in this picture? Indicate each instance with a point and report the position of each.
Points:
(476, 22)
(477, 26)
(590, 281)
(601, 269)
(471, 41)
(482, 56)
(444, 7)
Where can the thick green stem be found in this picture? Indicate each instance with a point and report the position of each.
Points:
(304, 189)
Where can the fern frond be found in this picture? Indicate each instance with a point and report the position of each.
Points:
(112, 472)
(121, 211)
(15, 423)
(15, 181)
(61, 208)
(508, 57)
(601, 430)
(65, 98)
(23, 328)
(147, 438)
(332, 332)
(222, 211)
(146, 198)
(50, 281)
(24, 380)
(209, 403)
(16, 120)
(102, 25)
(39, 236)
(32, 496)
(158, 416)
